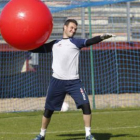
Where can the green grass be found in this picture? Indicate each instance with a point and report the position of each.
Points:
(117, 124)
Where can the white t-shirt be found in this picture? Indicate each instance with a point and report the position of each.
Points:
(65, 62)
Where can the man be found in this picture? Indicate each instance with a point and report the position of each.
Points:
(65, 77)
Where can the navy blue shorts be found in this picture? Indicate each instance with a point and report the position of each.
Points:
(58, 89)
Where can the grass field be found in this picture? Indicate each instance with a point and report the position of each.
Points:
(117, 124)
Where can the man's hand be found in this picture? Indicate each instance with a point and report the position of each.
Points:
(106, 36)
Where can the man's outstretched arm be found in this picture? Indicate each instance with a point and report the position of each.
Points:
(98, 39)
(45, 48)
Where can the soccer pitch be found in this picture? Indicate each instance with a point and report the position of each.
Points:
(117, 124)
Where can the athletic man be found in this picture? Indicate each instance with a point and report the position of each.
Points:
(65, 77)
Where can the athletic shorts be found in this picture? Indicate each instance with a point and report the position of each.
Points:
(58, 89)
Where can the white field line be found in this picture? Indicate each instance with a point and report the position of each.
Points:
(72, 113)
(109, 128)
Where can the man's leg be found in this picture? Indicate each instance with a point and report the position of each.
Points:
(46, 118)
(87, 117)
(78, 93)
(45, 122)
(54, 100)
(87, 120)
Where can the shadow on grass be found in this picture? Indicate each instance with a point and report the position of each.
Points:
(81, 136)
(98, 136)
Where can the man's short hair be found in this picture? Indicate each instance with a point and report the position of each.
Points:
(70, 20)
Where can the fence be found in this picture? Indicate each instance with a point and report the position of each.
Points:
(116, 61)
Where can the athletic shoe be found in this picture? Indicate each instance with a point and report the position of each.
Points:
(39, 137)
(90, 137)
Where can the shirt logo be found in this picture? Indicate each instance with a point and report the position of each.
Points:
(59, 45)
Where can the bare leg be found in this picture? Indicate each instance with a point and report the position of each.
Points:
(87, 120)
(45, 122)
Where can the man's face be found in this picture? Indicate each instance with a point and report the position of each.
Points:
(70, 30)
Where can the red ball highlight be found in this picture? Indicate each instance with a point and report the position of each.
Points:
(26, 24)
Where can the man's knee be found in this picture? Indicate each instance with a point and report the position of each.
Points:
(86, 109)
(48, 113)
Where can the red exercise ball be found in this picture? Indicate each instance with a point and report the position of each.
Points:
(25, 24)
